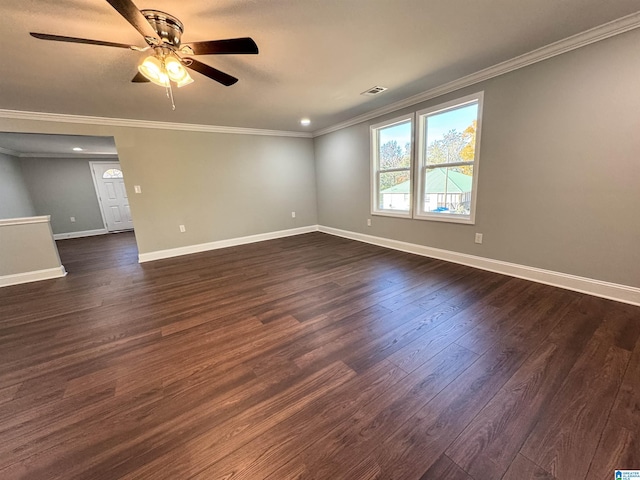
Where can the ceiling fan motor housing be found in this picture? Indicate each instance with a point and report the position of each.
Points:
(168, 27)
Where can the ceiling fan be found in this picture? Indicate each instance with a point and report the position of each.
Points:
(169, 56)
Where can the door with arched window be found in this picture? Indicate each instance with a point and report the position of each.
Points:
(112, 195)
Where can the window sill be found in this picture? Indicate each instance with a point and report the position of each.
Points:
(447, 218)
(392, 214)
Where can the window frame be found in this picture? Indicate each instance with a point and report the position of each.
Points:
(375, 167)
(421, 163)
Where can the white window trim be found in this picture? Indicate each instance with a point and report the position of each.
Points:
(419, 214)
(374, 167)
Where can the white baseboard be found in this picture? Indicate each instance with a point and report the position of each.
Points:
(84, 233)
(598, 288)
(26, 277)
(232, 242)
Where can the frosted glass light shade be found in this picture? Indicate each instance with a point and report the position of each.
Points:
(152, 69)
(176, 71)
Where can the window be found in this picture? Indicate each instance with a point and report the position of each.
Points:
(391, 148)
(446, 164)
(112, 173)
(448, 147)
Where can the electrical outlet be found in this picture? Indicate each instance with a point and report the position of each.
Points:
(368, 222)
(293, 214)
(73, 219)
(137, 188)
(182, 229)
(478, 238)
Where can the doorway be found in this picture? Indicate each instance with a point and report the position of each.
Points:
(112, 195)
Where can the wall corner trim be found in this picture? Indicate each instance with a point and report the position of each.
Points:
(598, 288)
(579, 40)
(232, 242)
(35, 276)
(80, 234)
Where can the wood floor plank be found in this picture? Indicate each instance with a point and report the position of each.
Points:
(426, 434)
(387, 345)
(8, 393)
(457, 326)
(200, 452)
(538, 301)
(291, 471)
(286, 440)
(626, 410)
(492, 440)
(524, 469)
(619, 449)
(619, 446)
(201, 441)
(440, 421)
(445, 469)
(354, 440)
(564, 441)
(309, 357)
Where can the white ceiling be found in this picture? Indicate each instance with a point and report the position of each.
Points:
(316, 56)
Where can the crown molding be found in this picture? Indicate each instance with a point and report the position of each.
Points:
(593, 35)
(125, 122)
(103, 156)
(6, 151)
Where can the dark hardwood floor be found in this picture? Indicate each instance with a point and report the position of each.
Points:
(310, 357)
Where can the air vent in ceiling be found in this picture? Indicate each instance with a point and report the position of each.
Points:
(374, 91)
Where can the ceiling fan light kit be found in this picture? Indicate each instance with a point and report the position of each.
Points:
(162, 33)
(163, 68)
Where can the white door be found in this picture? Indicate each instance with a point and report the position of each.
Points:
(112, 196)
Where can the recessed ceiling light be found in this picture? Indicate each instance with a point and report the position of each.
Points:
(77, 149)
(305, 122)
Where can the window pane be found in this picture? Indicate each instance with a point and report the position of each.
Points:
(112, 173)
(394, 145)
(395, 191)
(451, 135)
(448, 190)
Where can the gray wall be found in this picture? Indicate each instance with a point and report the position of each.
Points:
(27, 248)
(559, 169)
(63, 188)
(220, 186)
(15, 201)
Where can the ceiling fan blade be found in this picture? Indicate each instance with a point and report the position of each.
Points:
(60, 38)
(244, 45)
(130, 12)
(214, 74)
(139, 78)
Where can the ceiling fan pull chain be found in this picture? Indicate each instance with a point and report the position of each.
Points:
(170, 96)
(169, 89)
